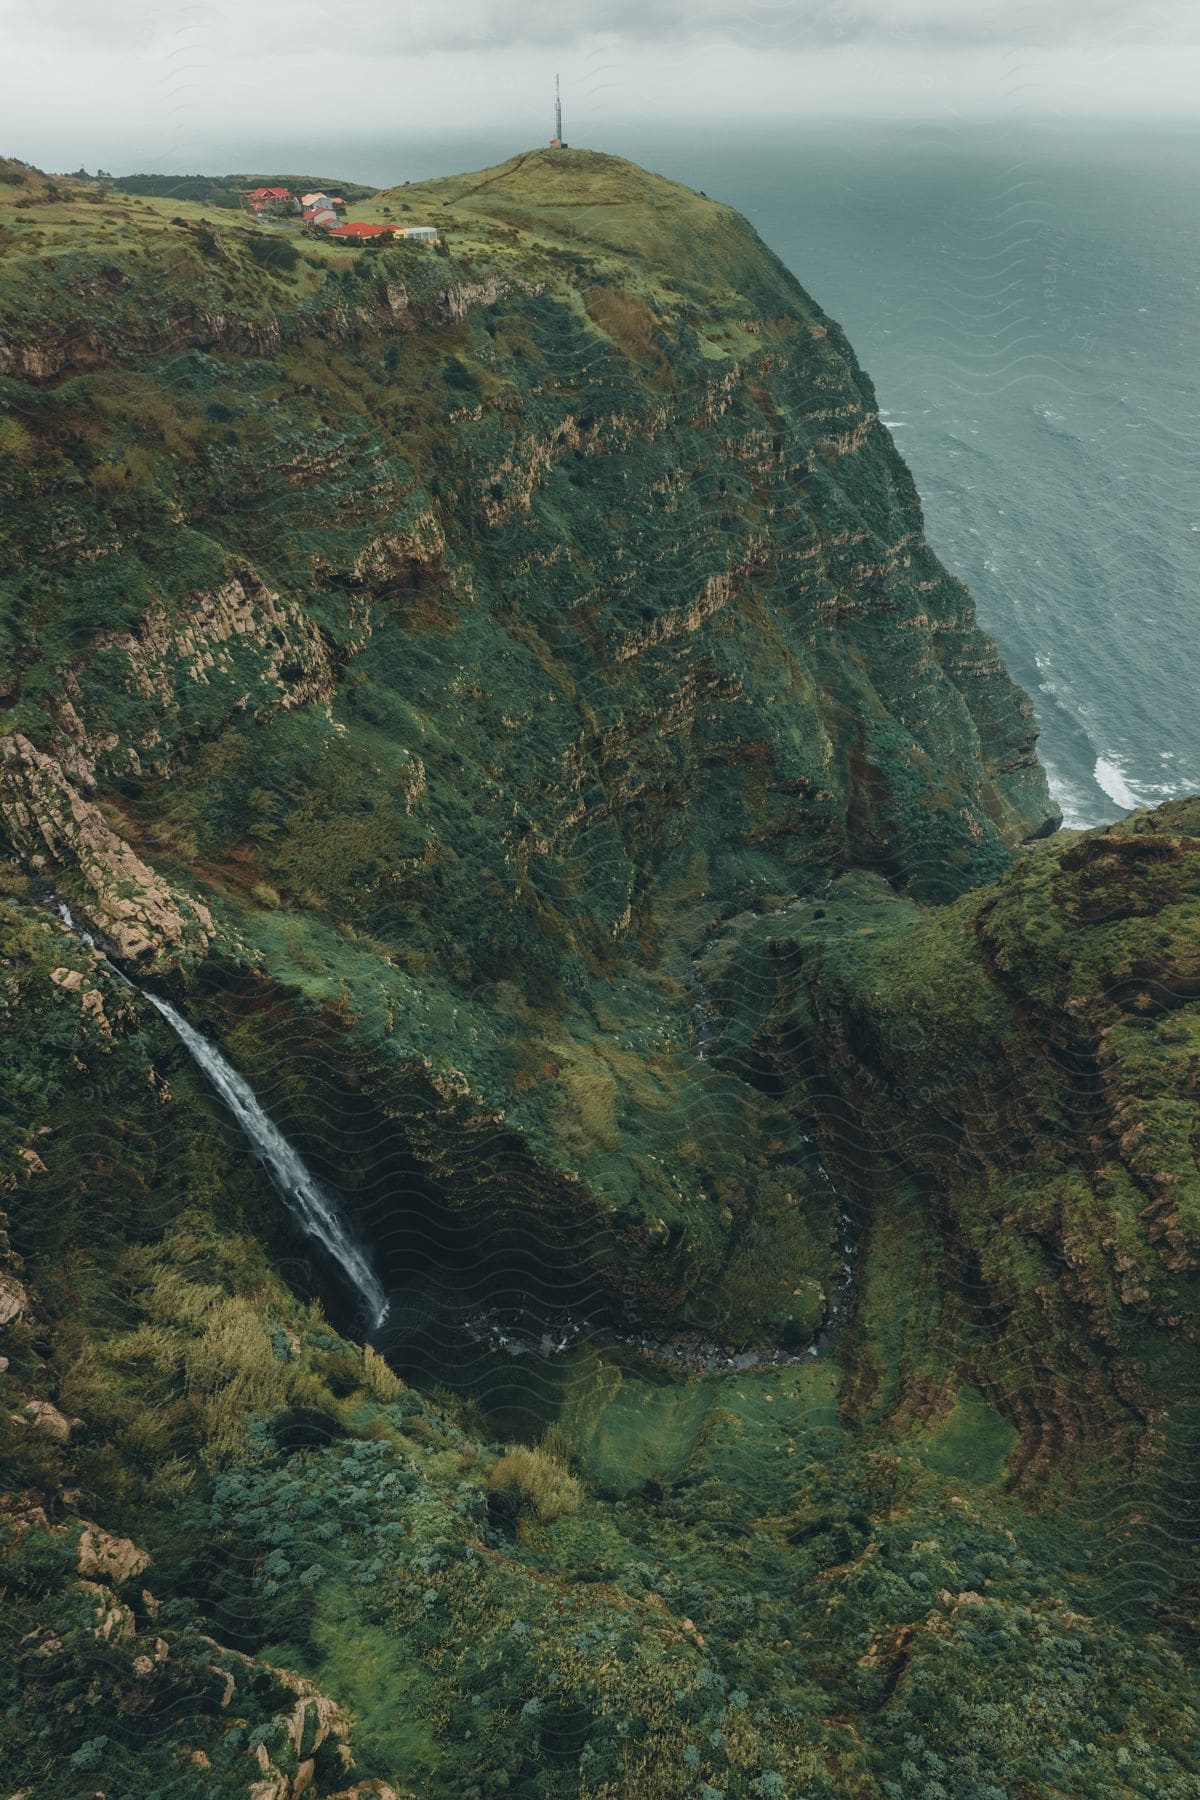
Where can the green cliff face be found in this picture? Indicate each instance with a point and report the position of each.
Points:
(1023, 1063)
(504, 694)
(452, 638)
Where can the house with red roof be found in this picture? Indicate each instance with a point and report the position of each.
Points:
(363, 232)
(270, 201)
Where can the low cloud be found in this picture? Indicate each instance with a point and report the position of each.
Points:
(372, 27)
(128, 85)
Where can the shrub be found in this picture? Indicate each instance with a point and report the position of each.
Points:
(456, 374)
(538, 1480)
(555, 1443)
(626, 319)
(591, 1106)
(274, 253)
(15, 441)
(41, 1562)
(89, 1756)
(379, 1380)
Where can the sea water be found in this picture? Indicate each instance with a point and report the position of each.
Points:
(1026, 299)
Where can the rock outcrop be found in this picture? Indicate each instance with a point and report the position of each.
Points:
(60, 832)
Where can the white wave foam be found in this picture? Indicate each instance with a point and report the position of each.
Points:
(1079, 812)
(1112, 779)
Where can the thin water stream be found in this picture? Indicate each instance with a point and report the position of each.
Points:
(315, 1210)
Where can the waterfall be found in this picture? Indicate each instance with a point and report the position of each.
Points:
(314, 1210)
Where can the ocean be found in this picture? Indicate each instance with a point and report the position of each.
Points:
(1025, 298)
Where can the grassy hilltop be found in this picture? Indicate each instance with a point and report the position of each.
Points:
(504, 693)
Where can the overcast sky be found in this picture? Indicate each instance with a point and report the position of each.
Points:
(129, 84)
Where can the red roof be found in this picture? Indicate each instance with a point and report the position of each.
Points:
(360, 229)
(271, 193)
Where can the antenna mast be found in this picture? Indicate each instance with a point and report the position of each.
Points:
(557, 111)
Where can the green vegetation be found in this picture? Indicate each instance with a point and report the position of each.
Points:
(274, 253)
(538, 1480)
(227, 190)
(408, 605)
(508, 698)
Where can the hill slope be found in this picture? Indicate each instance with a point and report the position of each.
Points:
(450, 638)
(504, 694)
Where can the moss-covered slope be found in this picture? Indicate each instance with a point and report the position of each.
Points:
(238, 1556)
(451, 636)
(1022, 1065)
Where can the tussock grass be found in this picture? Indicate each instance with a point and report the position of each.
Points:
(203, 1363)
(627, 320)
(543, 1483)
(592, 1104)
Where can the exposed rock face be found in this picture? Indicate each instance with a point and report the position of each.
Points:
(164, 654)
(13, 1299)
(52, 825)
(127, 335)
(313, 1723)
(45, 1418)
(107, 1558)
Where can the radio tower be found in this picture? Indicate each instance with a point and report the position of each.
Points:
(556, 142)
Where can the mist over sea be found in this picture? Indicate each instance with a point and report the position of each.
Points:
(1027, 301)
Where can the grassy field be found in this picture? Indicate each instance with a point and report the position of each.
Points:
(540, 217)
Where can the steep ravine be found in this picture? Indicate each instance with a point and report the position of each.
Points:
(538, 1318)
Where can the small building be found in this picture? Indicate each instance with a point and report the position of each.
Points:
(362, 232)
(321, 216)
(270, 201)
(307, 200)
